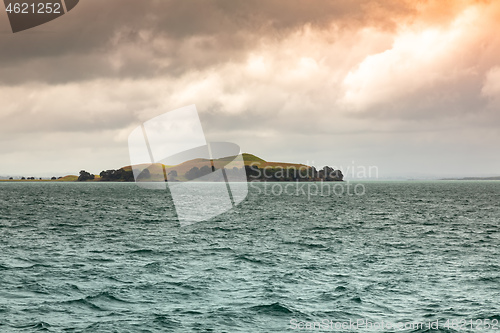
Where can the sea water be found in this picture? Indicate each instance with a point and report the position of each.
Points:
(112, 257)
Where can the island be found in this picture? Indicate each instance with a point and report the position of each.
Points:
(256, 170)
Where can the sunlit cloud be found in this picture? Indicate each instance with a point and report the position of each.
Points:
(419, 57)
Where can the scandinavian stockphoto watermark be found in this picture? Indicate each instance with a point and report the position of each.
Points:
(204, 179)
(308, 190)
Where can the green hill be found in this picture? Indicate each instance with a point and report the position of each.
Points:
(182, 171)
(252, 158)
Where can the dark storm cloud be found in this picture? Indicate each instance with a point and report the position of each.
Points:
(125, 38)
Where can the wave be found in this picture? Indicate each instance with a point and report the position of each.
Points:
(142, 251)
(488, 279)
(107, 297)
(357, 300)
(220, 249)
(244, 257)
(488, 317)
(224, 229)
(272, 309)
(101, 259)
(39, 325)
(166, 322)
(90, 301)
(84, 302)
(28, 266)
(315, 246)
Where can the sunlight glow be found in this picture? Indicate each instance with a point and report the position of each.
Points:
(417, 57)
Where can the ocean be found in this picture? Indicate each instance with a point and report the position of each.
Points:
(414, 256)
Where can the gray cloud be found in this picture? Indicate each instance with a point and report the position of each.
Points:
(181, 35)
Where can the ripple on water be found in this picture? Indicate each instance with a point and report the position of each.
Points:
(110, 258)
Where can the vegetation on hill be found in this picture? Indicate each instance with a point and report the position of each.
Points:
(255, 168)
(84, 176)
(117, 175)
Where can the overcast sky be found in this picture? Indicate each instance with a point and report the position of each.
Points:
(412, 87)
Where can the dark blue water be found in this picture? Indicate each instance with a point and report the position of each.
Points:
(103, 257)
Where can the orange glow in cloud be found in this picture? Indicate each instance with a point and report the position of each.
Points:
(424, 55)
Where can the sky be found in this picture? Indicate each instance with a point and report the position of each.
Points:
(409, 88)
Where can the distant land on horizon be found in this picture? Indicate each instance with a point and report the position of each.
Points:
(474, 178)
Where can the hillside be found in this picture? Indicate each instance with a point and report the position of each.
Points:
(192, 169)
(256, 169)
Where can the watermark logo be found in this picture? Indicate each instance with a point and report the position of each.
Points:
(27, 14)
(204, 179)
